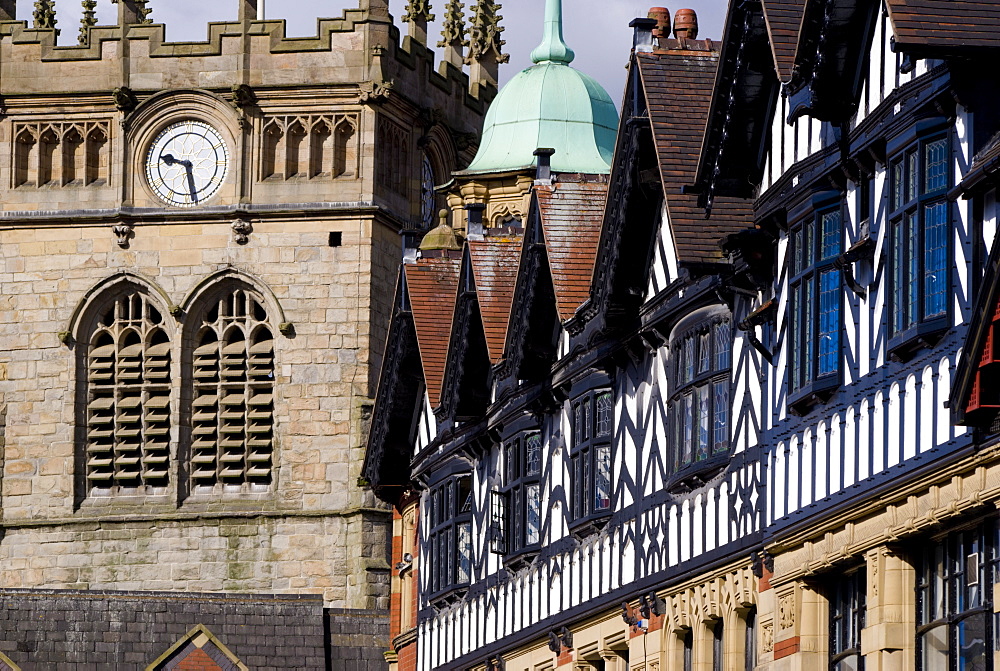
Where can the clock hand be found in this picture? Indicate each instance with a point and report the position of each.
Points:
(190, 179)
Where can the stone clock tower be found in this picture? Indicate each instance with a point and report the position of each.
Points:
(198, 245)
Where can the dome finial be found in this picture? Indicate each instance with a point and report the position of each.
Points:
(553, 48)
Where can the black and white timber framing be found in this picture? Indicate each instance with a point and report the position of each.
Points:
(792, 456)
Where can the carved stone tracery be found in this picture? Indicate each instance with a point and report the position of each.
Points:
(309, 147)
(61, 154)
(484, 35)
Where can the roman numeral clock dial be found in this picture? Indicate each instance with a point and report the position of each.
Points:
(187, 163)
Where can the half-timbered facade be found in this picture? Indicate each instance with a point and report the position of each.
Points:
(736, 406)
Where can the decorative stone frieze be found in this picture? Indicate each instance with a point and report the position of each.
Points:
(309, 147)
(60, 154)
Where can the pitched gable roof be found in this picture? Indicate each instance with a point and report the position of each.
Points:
(572, 213)
(784, 22)
(495, 262)
(433, 288)
(945, 24)
(679, 84)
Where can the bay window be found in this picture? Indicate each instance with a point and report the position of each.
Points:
(590, 456)
(516, 517)
(449, 541)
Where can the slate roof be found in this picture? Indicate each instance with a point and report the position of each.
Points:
(495, 262)
(679, 84)
(946, 24)
(572, 215)
(784, 22)
(433, 287)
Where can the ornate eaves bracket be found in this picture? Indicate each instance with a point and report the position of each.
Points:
(862, 250)
(765, 314)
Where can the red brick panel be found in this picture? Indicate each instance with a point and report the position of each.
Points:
(197, 660)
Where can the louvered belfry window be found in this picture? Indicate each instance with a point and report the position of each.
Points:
(232, 413)
(128, 399)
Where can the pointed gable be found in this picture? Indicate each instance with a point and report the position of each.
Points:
(784, 23)
(198, 650)
(679, 84)
(572, 213)
(433, 289)
(495, 261)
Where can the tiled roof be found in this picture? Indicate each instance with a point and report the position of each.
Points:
(944, 24)
(784, 22)
(495, 262)
(572, 217)
(679, 84)
(433, 287)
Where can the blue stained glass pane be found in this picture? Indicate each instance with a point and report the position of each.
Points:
(464, 553)
(686, 450)
(533, 514)
(972, 643)
(702, 414)
(936, 166)
(795, 313)
(898, 320)
(935, 259)
(796, 253)
(602, 477)
(722, 346)
(829, 323)
(897, 185)
(533, 458)
(704, 352)
(808, 328)
(912, 176)
(912, 271)
(831, 236)
(721, 431)
(808, 246)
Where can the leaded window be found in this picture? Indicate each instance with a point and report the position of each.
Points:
(127, 377)
(518, 514)
(919, 225)
(955, 620)
(814, 304)
(449, 542)
(590, 457)
(718, 651)
(232, 406)
(847, 619)
(699, 404)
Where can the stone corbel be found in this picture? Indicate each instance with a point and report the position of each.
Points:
(124, 232)
(242, 98)
(377, 89)
(241, 231)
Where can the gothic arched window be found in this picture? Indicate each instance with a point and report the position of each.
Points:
(126, 373)
(232, 394)
(428, 199)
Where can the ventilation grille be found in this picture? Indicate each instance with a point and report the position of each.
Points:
(128, 400)
(232, 407)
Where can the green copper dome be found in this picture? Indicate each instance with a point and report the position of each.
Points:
(549, 105)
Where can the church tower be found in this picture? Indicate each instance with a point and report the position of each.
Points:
(198, 245)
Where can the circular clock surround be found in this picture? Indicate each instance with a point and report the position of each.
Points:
(187, 163)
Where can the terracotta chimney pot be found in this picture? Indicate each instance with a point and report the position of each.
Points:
(686, 24)
(662, 17)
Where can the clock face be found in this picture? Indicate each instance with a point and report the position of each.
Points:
(187, 163)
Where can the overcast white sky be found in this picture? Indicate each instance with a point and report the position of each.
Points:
(596, 29)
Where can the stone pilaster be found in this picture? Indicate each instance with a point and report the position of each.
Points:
(887, 641)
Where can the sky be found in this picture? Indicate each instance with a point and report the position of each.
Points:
(597, 30)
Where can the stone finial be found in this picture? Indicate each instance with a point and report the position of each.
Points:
(453, 35)
(484, 36)
(131, 12)
(418, 10)
(485, 45)
(88, 20)
(45, 15)
(418, 15)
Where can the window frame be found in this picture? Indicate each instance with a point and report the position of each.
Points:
(908, 205)
(848, 601)
(510, 503)
(687, 380)
(807, 266)
(589, 441)
(446, 517)
(951, 553)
